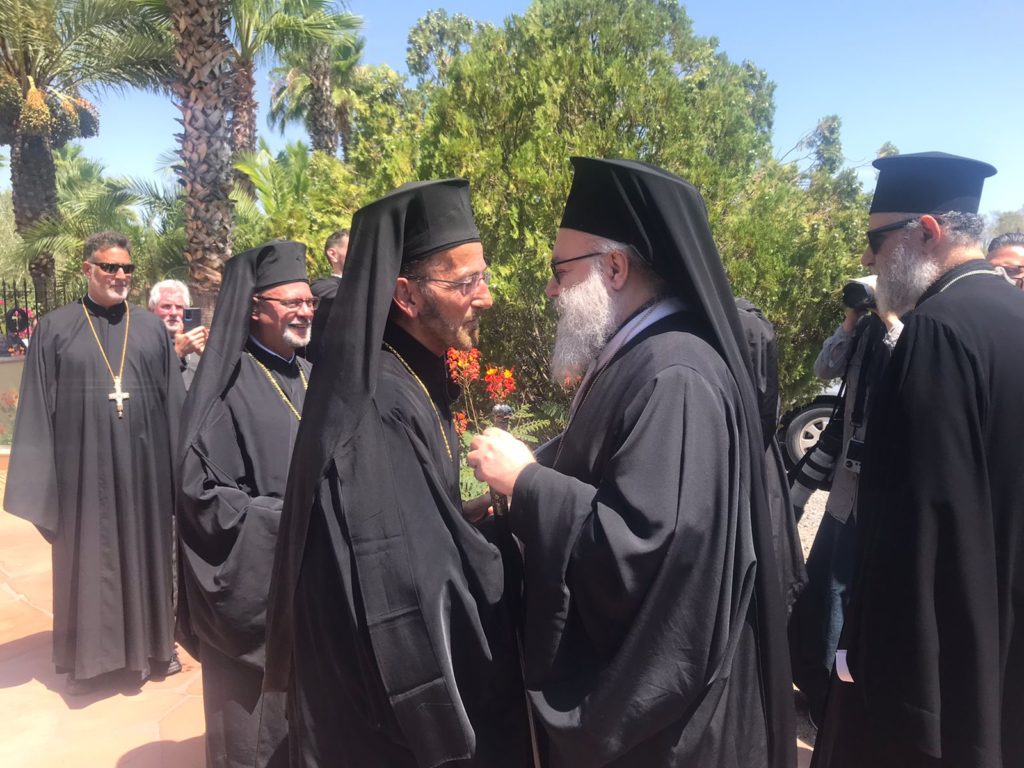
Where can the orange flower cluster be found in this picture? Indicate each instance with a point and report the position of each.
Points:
(464, 367)
(9, 399)
(500, 383)
(461, 422)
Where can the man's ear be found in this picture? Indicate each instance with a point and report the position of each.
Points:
(931, 230)
(255, 309)
(617, 269)
(406, 298)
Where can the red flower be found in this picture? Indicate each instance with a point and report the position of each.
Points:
(461, 422)
(464, 367)
(500, 383)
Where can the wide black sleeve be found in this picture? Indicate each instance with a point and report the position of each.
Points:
(227, 538)
(599, 552)
(31, 492)
(926, 647)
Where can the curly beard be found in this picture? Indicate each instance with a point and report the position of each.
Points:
(906, 278)
(586, 320)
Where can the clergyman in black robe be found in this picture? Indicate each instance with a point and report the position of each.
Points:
(240, 421)
(930, 666)
(95, 473)
(326, 288)
(763, 348)
(388, 621)
(654, 620)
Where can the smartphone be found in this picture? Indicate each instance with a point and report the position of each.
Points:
(193, 318)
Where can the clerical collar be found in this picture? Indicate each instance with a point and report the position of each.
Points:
(957, 273)
(111, 313)
(269, 357)
(432, 370)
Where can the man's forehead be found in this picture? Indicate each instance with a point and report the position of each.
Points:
(113, 254)
(296, 290)
(1009, 255)
(572, 240)
(171, 296)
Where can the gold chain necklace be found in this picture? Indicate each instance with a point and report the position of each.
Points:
(437, 413)
(280, 391)
(118, 396)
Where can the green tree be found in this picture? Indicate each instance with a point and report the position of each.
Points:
(52, 52)
(317, 91)
(1006, 221)
(259, 27)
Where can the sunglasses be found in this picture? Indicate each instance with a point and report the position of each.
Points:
(111, 269)
(876, 237)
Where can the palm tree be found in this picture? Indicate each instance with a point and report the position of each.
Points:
(51, 53)
(299, 27)
(317, 90)
(202, 90)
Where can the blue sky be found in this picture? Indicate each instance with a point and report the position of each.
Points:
(936, 75)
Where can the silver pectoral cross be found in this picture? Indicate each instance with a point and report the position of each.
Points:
(118, 397)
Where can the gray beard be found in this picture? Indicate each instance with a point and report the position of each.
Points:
(905, 280)
(586, 320)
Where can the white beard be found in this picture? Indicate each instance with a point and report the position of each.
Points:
(296, 337)
(586, 320)
(905, 280)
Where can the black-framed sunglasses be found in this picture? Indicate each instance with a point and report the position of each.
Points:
(111, 269)
(555, 264)
(876, 237)
(465, 286)
(312, 303)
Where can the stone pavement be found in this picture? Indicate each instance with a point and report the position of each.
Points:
(159, 725)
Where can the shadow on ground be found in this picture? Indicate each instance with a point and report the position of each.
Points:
(190, 753)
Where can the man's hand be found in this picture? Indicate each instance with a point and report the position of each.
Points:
(497, 458)
(478, 509)
(191, 341)
(851, 318)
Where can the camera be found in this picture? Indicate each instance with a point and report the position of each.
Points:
(193, 318)
(858, 295)
(854, 455)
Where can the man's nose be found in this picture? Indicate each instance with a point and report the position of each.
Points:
(483, 299)
(552, 289)
(868, 257)
(305, 310)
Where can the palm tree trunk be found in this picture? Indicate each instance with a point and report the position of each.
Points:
(323, 128)
(243, 118)
(34, 193)
(203, 93)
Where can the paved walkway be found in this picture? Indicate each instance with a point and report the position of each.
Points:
(159, 725)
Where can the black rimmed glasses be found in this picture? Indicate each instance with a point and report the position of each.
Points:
(876, 237)
(555, 264)
(111, 269)
(466, 286)
(293, 304)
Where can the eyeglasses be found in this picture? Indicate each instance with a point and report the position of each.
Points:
(877, 235)
(111, 269)
(465, 286)
(312, 303)
(554, 264)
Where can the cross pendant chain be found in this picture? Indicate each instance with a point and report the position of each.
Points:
(118, 397)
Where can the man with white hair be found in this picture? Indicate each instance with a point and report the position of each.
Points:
(930, 665)
(654, 620)
(168, 300)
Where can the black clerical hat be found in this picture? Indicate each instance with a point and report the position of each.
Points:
(276, 263)
(437, 217)
(929, 182)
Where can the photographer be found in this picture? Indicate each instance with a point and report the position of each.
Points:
(858, 351)
(169, 300)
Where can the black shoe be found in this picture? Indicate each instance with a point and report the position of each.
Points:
(174, 665)
(76, 687)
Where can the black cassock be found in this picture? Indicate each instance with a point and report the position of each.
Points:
(640, 630)
(99, 488)
(934, 632)
(403, 648)
(233, 481)
(326, 288)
